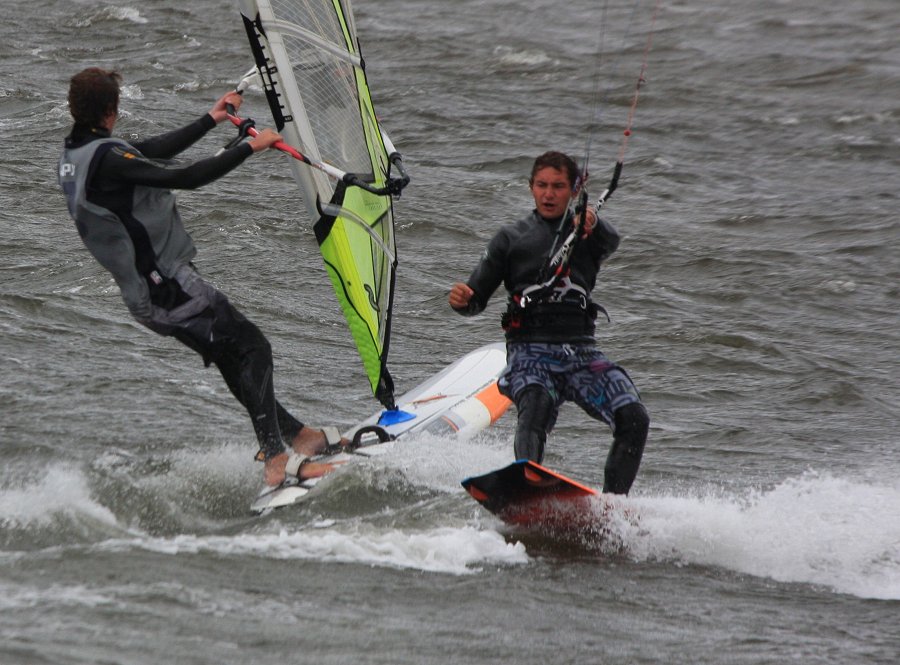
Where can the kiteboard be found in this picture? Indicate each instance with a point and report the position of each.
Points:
(459, 401)
(526, 494)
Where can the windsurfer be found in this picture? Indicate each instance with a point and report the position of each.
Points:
(119, 194)
(551, 352)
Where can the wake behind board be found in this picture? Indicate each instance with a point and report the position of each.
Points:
(526, 494)
(460, 400)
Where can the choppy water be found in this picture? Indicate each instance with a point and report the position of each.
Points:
(754, 301)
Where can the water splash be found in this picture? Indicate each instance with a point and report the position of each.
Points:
(125, 14)
(450, 550)
(61, 490)
(817, 529)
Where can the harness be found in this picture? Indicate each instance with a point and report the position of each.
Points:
(566, 308)
(555, 304)
(102, 226)
(165, 291)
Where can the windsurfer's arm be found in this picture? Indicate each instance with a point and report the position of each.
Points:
(166, 146)
(123, 165)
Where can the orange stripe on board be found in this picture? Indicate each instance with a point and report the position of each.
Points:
(495, 403)
(590, 490)
(477, 494)
(532, 476)
(425, 400)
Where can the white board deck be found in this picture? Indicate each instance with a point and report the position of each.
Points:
(460, 400)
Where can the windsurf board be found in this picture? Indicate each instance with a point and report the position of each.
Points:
(460, 400)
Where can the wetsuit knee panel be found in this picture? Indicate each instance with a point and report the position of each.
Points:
(536, 416)
(536, 406)
(632, 422)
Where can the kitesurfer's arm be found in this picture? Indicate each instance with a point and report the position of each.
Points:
(460, 295)
(603, 239)
(472, 297)
(166, 146)
(124, 166)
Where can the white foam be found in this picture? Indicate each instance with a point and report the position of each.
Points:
(440, 463)
(425, 463)
(131, 91)
(512, 57)
(444, 550)
(60, 490)
(130, 14)
(14, 596)
(817, 529)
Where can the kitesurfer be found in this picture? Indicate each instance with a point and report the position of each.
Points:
(119, 194)
(551, 351)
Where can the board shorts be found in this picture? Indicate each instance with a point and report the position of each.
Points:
(569, 372)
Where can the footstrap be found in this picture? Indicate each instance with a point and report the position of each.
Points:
(295, 461)
(332, 435)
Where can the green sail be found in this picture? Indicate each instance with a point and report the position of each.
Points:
(314, 78)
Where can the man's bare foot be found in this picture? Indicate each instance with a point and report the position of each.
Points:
(274, 473)
(310, 441)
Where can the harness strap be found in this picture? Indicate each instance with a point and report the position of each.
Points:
(559, 291)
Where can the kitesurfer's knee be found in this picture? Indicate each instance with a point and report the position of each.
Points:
(629, 436)
(535, 406)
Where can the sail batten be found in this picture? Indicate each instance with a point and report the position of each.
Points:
(307, 55)
(297, 31)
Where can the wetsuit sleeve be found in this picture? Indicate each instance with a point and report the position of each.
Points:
(603, 240)
(124, 166)
(488, 274)
(166, 146)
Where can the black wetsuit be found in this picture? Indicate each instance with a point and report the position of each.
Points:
(119, 195)
(551, 354)
(516, 256)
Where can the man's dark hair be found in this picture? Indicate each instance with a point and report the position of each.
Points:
(93, 95)
(558, 161)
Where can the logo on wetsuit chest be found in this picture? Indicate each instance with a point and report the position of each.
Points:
(66, 170)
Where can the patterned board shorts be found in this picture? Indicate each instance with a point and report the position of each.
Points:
(575, 373)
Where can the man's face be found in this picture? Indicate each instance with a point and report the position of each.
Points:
(551, 190)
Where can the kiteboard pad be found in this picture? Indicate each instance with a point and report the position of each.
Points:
(460, 400)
